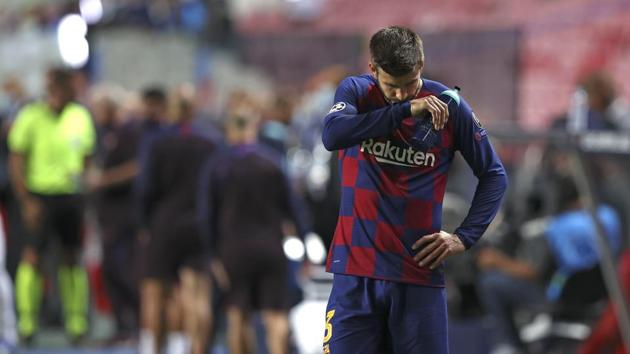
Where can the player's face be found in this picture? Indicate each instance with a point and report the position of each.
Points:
(397, 88)
(56, 97)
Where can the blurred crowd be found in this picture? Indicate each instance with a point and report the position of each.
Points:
(170, 189)
(188, 15)
(192, 211)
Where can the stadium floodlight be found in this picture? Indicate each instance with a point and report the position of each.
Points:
(73, 46)
(91, 10)
(293, 248)
(315, 249)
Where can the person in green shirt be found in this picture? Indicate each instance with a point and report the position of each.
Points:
(50, 145)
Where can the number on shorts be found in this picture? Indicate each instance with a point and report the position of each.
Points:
(329, 329)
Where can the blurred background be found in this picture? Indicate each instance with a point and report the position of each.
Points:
(533, 70)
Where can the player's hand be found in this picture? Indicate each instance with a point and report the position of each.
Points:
(437, 109)
(220, 274)
(93, 181)
(31, 213)
(434, 248)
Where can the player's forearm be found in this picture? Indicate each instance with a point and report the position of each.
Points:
(120, 174)
(18, 177)
(342, 130)
(484, 207)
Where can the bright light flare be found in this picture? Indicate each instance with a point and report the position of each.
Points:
(293, 248)
(315, 249)
(91, 10)
(73, 46)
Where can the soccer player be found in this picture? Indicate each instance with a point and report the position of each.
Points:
(112, 185)
(245, 201)
(8, 333)
(176, 278)
(51, 143)
(396, 140)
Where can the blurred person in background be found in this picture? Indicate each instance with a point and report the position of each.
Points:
(112, 186)
(559, 267)
(388, 289)
(276, 130)
(606, 105)
(176, 279)
(597, 106)
(15, 100)
(246, 239)
(8, 109)
(51, 142)
(8, 332)
(154, 120)
(185, 113)
(571, 235)
(607, 110)
(513, 273)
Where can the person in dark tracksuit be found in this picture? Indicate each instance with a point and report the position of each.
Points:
(175, 270)
(245, 203)
(112, 188)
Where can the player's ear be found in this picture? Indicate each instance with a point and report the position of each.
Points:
(373, 68)
(420, 68)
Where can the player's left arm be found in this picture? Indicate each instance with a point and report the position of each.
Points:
(471, 139)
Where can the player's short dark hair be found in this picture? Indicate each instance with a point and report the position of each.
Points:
(600, 83)
(397, 50)
(61, 78)
(154, 94)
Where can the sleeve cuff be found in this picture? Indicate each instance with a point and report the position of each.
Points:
(466, 240)
(402, 111)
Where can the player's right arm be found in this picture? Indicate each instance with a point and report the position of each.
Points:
(20, 140)
(345, 127)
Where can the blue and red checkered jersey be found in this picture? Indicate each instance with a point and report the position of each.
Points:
(393, 188)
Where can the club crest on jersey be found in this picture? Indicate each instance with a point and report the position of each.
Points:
(339, 106)
(386, 152)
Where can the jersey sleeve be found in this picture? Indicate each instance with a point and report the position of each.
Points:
(19, 135)
(344, 127)
(471, 139)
